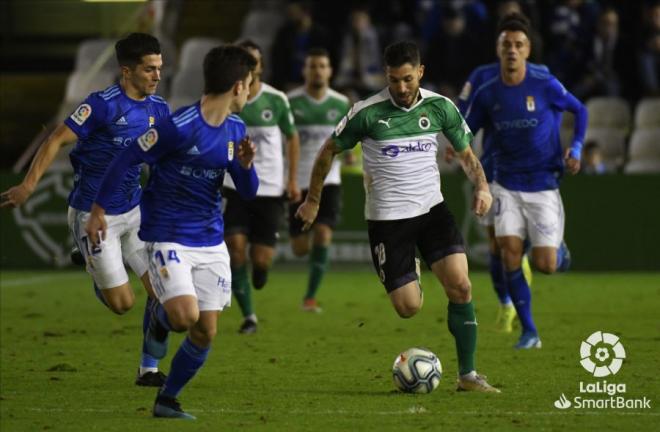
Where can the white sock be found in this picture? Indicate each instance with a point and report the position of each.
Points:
(144, 370)
(470, 376)
(252, 317)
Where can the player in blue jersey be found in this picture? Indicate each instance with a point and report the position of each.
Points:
(506, 312)
(522, 107)
(103, 125)
(182, 225)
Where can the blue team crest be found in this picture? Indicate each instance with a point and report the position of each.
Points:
(230, 150)
(530, 103)
(81, 114)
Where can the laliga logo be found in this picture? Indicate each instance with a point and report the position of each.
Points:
(602, 354)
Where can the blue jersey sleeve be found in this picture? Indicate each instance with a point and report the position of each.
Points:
(565, 101)
(153, 145)
(88, 117)
(476, 115)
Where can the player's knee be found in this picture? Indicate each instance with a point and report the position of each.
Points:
(300, 248)
(182, 319)
(511, 259)
(459, 289)
(407, 308)
(120, 303)
(545, 265)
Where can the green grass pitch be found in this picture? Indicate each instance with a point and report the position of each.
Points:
(67, 364)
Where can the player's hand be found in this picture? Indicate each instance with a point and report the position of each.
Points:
(246, 152)
(15, 196)
(293, 192)
(96, 226)
(307, 213)
(482, 201)
(572, 164)
(449, 154)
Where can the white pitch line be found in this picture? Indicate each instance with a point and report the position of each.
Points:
(39, 279)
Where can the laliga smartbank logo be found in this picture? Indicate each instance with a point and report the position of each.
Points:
(601, 355)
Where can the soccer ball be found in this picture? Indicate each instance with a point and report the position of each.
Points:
(417, 370)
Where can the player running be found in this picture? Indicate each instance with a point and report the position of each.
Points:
(104, 124)
(316, 109)
(522, 108)
(190, 153)
(398, 128)
(267, 116)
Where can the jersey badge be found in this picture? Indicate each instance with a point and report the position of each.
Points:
(332, 115)
(266, 115)
(424, 122)
(81, 114)
(530, 103)
(148, 140)
(465, 92)
(152, 121)
(230, 150)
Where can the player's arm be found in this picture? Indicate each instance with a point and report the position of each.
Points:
(242, 170)
(293, 154)
(460, 136)
(148, 148)
(322, 164)
(17, 195)
(565, 101)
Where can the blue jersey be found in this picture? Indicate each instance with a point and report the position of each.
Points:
(477, 78)
(105, 123)
(524, 122)
(188, 159)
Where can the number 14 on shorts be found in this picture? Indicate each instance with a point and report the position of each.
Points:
(160, 258)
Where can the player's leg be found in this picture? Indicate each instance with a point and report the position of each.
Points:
(300, 240)
(267, 215)
(506, 312)
(135, 255)
(104, 263)
(393, 255)
(326, 221)
(211, 276)
(237, 227)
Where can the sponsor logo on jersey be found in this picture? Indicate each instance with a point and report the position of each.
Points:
(424, 122)
(522, 123)
(122, 121)
(340, 127)
(385, 122)
(230, 150)
(266, 115)
(394, 150)
(199, 172)
(148, 140)
(299, 113)
(332, 114)
(152, 121)
(531, 106)
(81, 114)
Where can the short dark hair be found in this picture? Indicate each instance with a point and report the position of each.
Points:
(133, 47)
(400, 53)
(317, 52)
(514, 22)
(249, 43)
(224, 65)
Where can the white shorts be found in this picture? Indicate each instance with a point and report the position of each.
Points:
(538, 216)
(176, 270)
(106, 262)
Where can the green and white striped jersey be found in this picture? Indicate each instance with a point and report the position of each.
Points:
(315, 121)
(400, 145)
(268, 116)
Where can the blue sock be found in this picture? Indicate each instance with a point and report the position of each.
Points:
(185, 364)
(563, 258)
(147, 360)
(99, 295)
(497, 276)
(522, 299)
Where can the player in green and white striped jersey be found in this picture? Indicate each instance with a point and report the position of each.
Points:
(267, 115)
(405, 210)
(316, 109)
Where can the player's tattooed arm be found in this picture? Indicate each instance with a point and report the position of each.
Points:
(322, 164)
(475, 172)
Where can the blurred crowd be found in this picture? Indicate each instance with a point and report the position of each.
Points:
(596, 48)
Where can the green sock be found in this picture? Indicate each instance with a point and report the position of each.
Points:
(318, 263)
(240, 286)
(462, 324)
